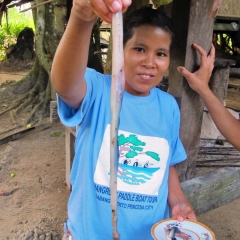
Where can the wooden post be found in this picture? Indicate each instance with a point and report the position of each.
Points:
(220, 77)
(69, 148)
(54, 118)
(215, 7)
(193, 25)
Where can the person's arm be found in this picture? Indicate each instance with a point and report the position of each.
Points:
(227, 124)
(180, 206)
(70, 60)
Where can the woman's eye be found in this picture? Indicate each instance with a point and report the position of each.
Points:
(161, 54)
(139, 49)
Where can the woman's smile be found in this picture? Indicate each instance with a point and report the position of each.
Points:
(146, 59)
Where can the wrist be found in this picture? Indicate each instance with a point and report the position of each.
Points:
(205, 93)
(175, 198)
(84, 15)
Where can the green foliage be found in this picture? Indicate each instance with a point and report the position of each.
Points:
(16, 23)
(57, 133)
(153, 155)
(131, 139)
(132, 146)
(131, 154)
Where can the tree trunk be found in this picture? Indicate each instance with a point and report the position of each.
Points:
(50, 21)
(193, 25)
(32, 95)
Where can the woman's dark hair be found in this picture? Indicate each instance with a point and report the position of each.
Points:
(146, 16)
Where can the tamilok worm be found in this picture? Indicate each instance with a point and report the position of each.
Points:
(117, 88)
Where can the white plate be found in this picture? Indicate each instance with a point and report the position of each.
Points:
(186, 230)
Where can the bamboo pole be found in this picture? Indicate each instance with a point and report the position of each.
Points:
(37, 5)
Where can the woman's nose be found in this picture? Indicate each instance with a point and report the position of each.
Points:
(149, 61)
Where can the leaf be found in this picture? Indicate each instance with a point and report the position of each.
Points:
(153, 155)
(135, 141)
(122, 140)
(131, 154)
(132, 138)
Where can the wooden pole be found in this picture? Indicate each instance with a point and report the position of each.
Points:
(193, 25)
(37, 5)
(215, 7)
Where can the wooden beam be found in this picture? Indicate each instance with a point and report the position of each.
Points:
(234, 83)
(213, 190)
(225, 27)
(218, 165)
(233, 105)
(234, 73)
(233, 95)
(37, 5)
(22, 133)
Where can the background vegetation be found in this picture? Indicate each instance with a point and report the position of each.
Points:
(9, 31)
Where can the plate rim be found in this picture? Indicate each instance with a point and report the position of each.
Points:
(174, 219)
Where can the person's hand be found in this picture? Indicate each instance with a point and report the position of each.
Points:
(83, 10)
(87, 10)
(198, 80)
(105, 8)
(183, 210)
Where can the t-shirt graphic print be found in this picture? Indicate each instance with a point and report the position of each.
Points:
(142, 162)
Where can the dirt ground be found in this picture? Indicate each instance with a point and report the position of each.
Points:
(34, 201)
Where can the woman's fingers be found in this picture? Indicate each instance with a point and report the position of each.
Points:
(102, 10)
(212, 52)
(118, 5)
(201, 51)
(83, 10)
(207, 60)
(114, 6)
(212, 55)
(105, 8)
(192, 216)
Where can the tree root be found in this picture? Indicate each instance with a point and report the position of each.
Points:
(34, 113)
(33, 95)
(15, 104)
(26, 104)
(41, 109)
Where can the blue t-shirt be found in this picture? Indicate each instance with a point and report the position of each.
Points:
(149, 144)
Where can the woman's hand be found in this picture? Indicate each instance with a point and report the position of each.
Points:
(83, 10)
(105, 8)
(198, 80)
(87, 10)
(180, 206)
(183, 210)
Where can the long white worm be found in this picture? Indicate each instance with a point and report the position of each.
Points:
(117, 89)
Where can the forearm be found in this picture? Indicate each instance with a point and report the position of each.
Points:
(70, 61)
(175, 192)
(227, 124)
(180, 206)
(198, 81)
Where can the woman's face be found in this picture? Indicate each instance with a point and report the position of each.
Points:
(146, 59)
